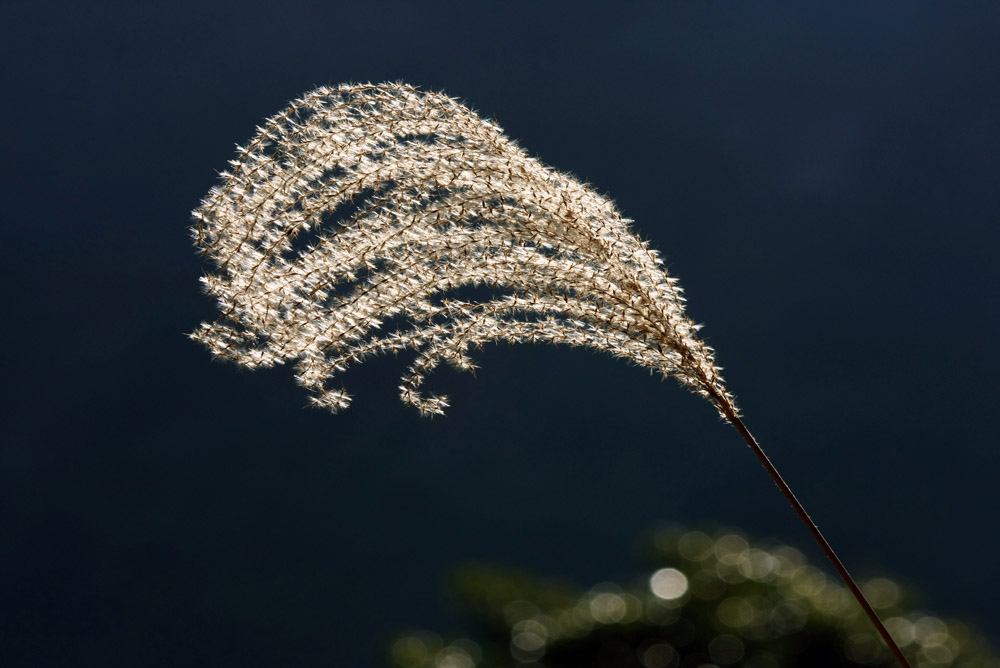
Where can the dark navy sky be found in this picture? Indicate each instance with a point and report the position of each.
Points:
(822, 177)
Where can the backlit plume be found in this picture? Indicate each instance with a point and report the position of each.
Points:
(367, 219)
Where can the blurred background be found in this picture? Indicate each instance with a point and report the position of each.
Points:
(822, 177)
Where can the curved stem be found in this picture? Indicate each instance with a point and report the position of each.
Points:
(814, 530)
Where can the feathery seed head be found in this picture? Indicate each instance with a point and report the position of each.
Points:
(366, 204)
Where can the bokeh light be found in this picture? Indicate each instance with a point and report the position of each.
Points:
(668, 584)
(711, 600)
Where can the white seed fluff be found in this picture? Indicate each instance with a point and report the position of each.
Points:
(365, 205)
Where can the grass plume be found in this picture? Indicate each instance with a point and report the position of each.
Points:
(363, 205)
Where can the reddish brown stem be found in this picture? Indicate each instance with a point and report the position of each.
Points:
(814, 530)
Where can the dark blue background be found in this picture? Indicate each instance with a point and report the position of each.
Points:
(821, 176)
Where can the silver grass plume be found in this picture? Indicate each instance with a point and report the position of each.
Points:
(405, 199)
(405, 196)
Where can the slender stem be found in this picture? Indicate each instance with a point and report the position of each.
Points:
(814, 530)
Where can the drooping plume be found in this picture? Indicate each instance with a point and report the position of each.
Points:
(366, 206)
(369, 205)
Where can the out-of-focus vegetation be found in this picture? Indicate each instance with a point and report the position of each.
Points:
(710, 600)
